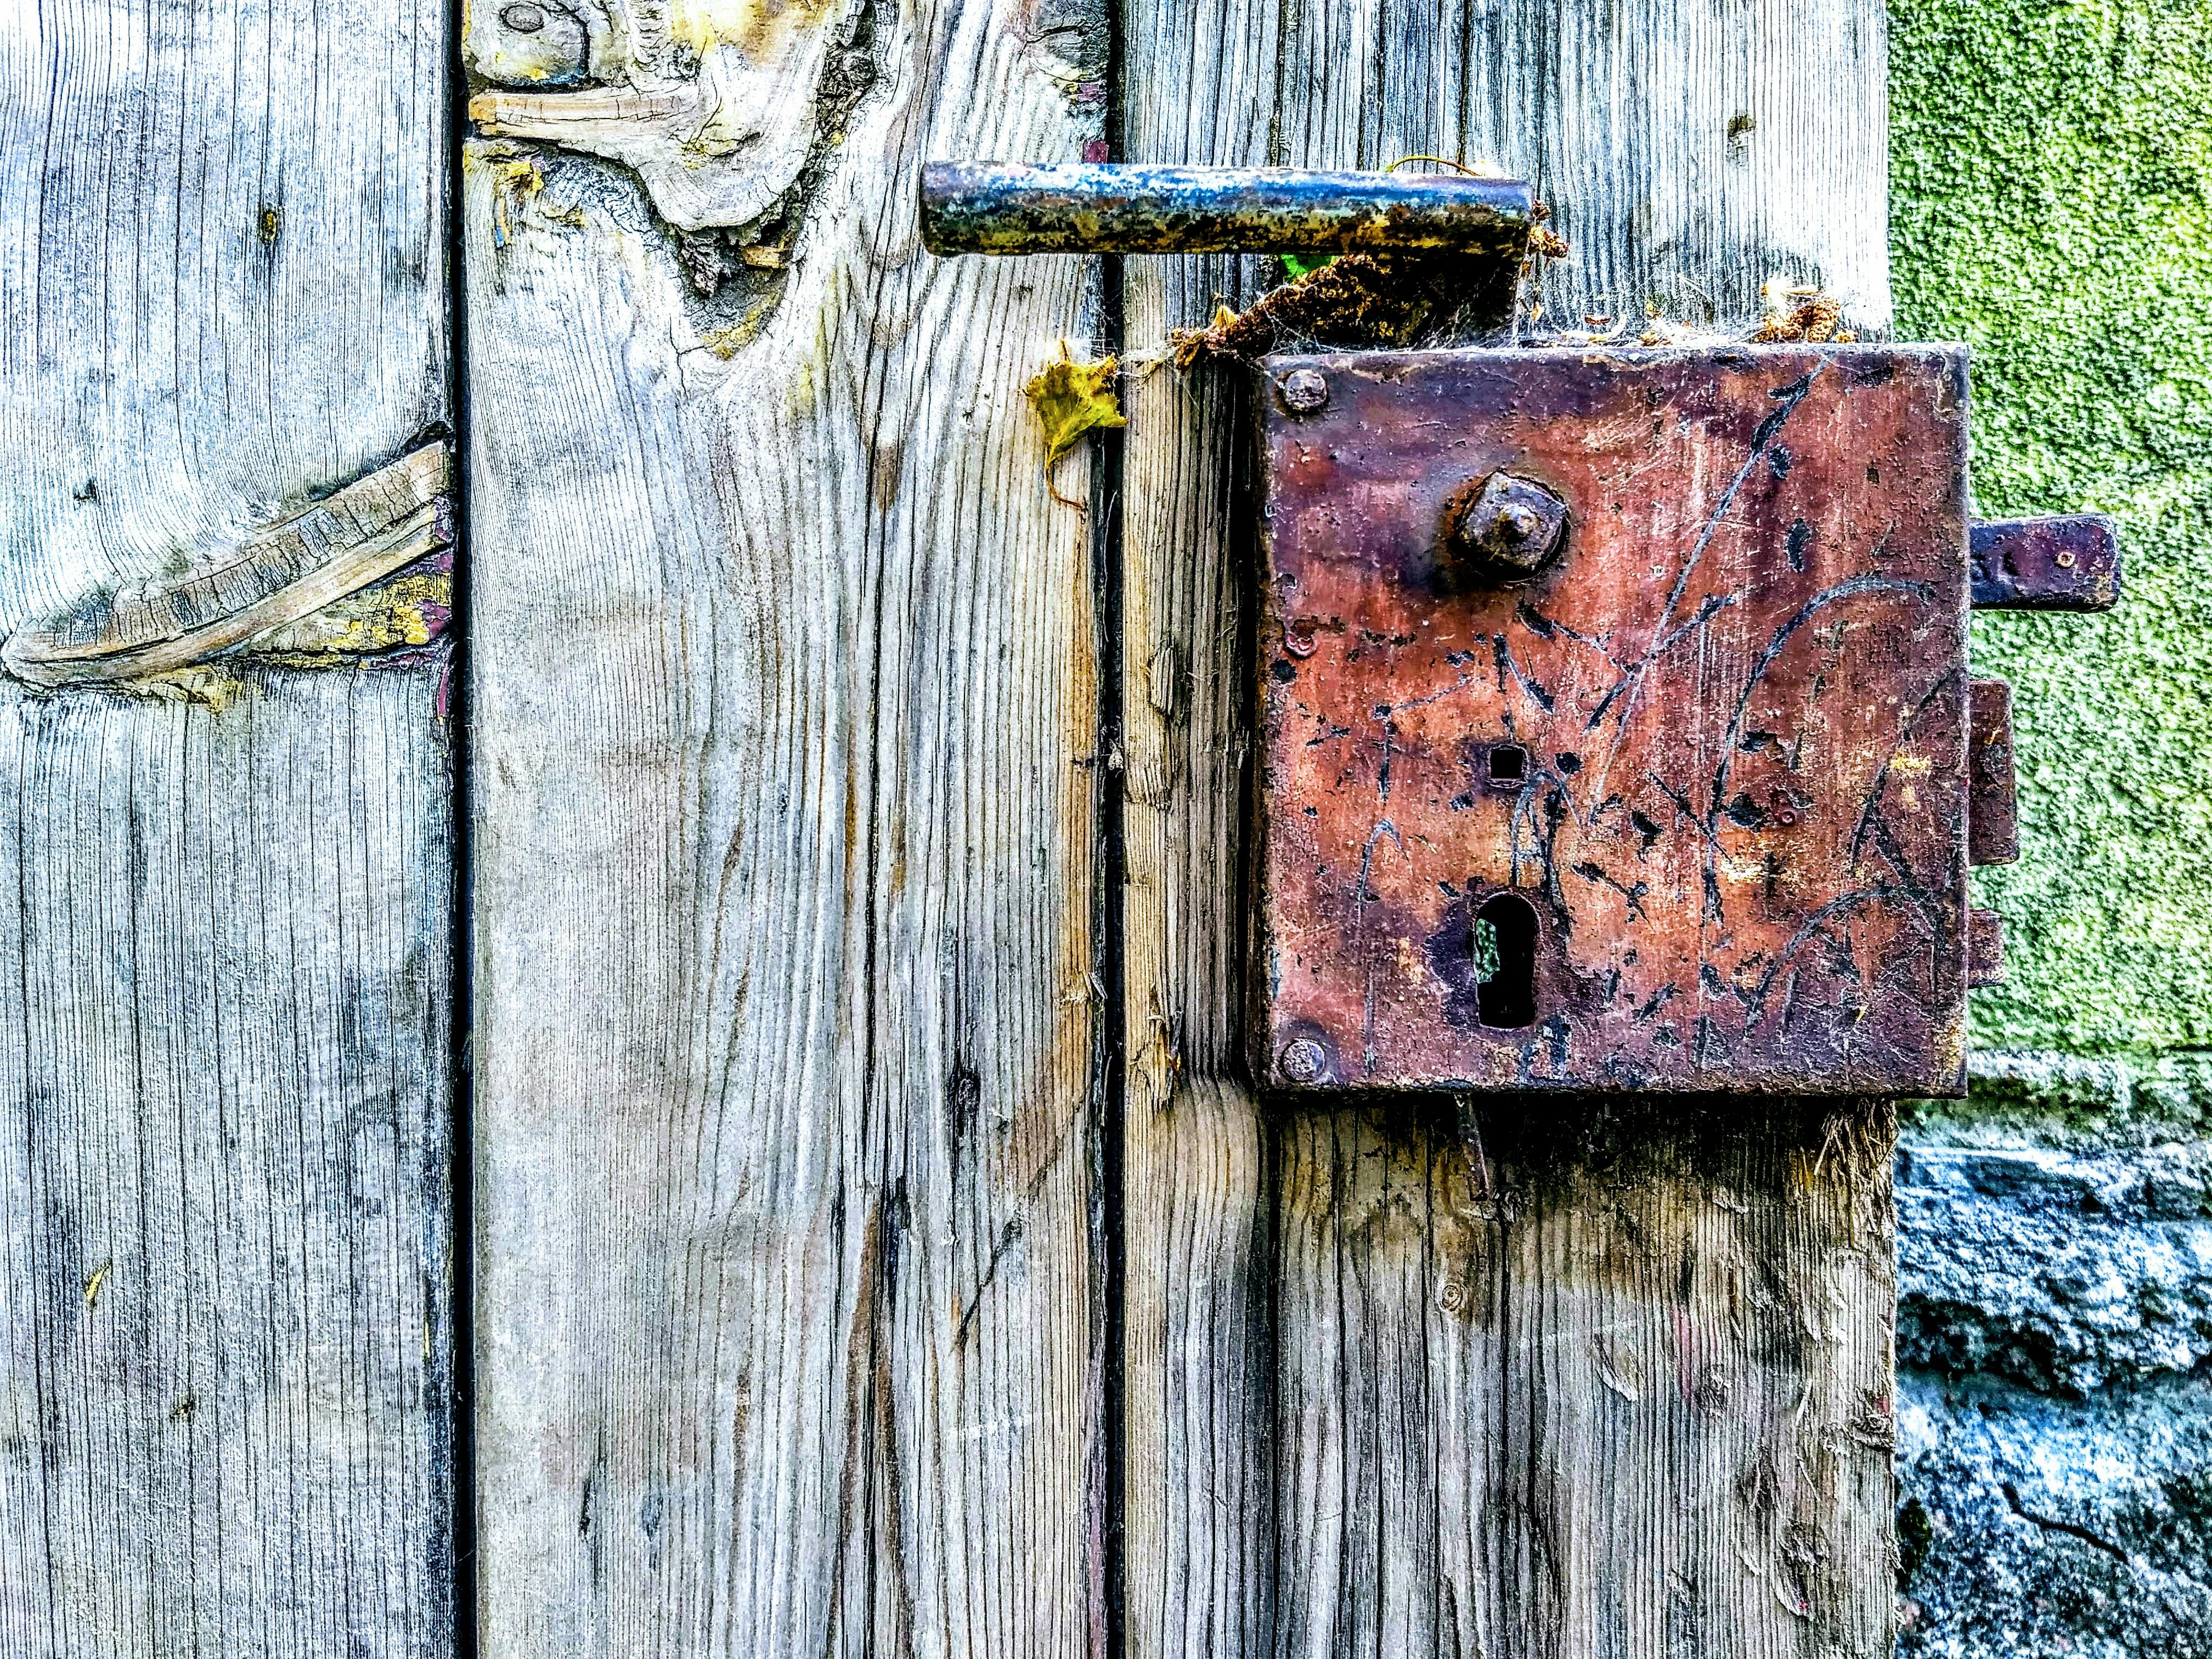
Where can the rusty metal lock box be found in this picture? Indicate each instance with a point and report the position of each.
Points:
(1616, 730)
(1682, 806)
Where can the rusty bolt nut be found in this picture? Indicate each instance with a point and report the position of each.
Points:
(1304, 391)
(1302, 1060)
(1509, 530)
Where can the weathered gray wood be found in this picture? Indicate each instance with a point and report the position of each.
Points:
(225, 1342)
(1596, 1382)
(1370, 1407)
(784, 694)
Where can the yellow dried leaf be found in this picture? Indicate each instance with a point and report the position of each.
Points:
(1070, 398)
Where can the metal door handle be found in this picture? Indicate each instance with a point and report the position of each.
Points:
(1097, 207)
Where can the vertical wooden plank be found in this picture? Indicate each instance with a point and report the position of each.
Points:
(1199, 1377)
(784, 694)
(225, 1342)
(225, 955)
(1602, 1381)
(1367, 1395)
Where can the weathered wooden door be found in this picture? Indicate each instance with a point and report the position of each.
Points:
(826, 849)
(226, 890)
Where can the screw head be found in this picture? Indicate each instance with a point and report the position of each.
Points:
(1509, 529)
(523, 17)
(1304, 391)
(1302, 1060)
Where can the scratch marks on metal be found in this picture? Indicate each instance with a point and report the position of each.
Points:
(1742, 677)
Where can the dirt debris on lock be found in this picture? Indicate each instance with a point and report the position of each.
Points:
(1802, 313)
(1356, 299)
(1367, 300)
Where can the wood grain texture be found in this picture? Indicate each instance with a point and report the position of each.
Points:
(1591, 1382)
(785, 689)
(225, 1342)
(1366, 1409)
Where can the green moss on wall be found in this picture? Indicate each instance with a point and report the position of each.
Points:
(2049, 166)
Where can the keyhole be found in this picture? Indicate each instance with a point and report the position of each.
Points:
(1505, 962)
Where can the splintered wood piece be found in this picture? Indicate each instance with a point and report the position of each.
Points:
(357, 536)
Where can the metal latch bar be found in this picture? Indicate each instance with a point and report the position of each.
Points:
(1102, 207)
(1992, 803)
(2063, 562)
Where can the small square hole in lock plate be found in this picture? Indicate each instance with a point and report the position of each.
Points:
(1509, 764)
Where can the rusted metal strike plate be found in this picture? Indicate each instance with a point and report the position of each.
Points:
(1686, 809)
(2069, 562)
(1985, 957)
(1992, 802)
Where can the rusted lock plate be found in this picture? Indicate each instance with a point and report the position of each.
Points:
(2067, 562)
(1992, 808)
(1684, 809)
